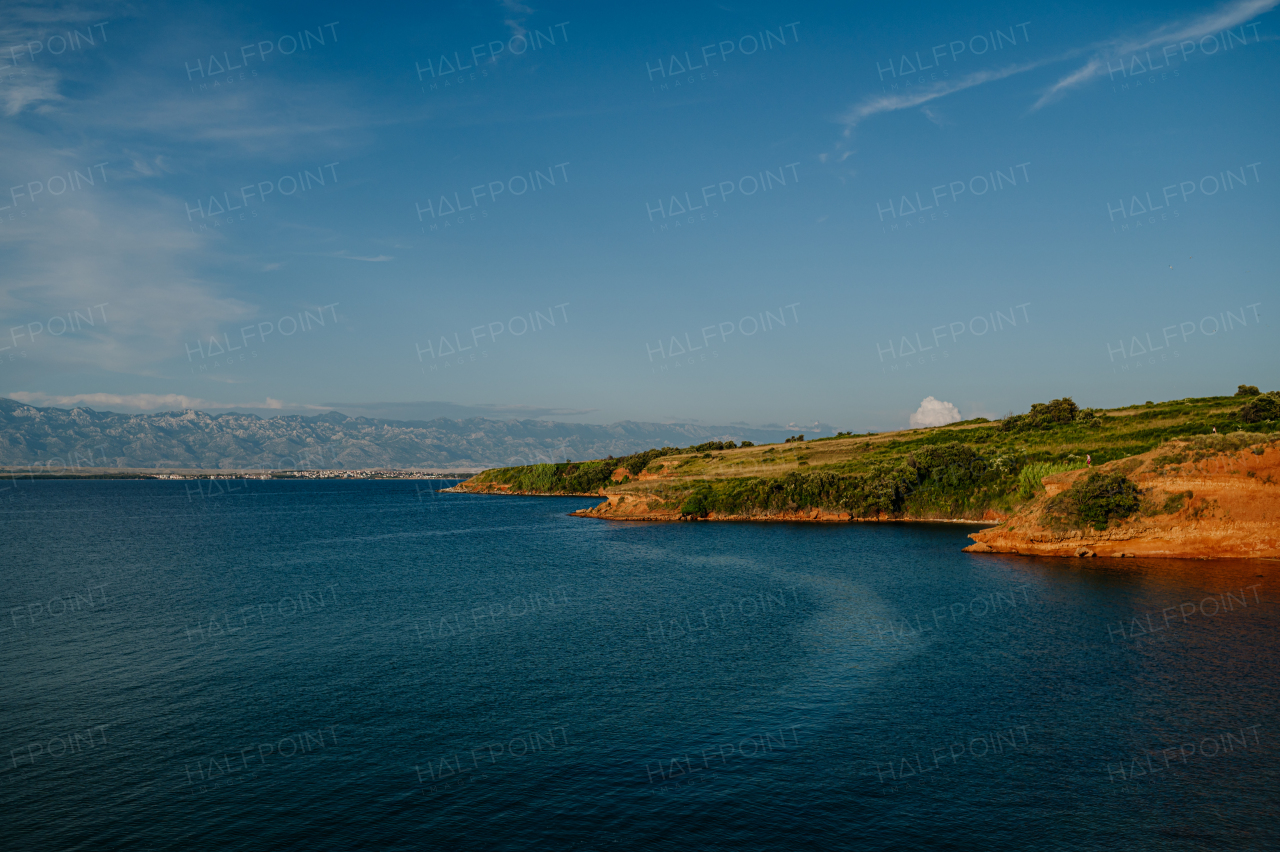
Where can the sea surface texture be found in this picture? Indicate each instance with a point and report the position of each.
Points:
(375, 665)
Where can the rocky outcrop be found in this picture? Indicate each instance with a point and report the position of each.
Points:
(1233, 511)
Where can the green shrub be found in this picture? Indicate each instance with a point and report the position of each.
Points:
(1262, 407)
(1095, 501)
(940, 477)
(1247, 390)
(698, 503)
(712, 445)
(1042, 416)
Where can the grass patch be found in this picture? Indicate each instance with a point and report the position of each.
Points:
(1029, 477)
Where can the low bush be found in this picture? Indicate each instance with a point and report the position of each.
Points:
(1042, 416)
(945, 478)
(1095, 501)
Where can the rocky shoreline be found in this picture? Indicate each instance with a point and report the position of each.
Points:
(621, 507)
(1233, 511)
(613, 509)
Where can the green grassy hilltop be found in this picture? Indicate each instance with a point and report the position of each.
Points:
(955, 471)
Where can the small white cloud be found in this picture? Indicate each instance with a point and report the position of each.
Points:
(134, 401)
(934, 412)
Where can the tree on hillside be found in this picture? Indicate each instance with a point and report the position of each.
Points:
(1042, 415)
(1264, 406)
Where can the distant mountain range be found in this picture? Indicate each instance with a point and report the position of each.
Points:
(82, 437)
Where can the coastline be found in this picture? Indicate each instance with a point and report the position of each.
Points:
(1231, 510)
(1210, 497)
(614, 508)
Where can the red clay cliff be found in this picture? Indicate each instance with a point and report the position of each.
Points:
(1234, 510)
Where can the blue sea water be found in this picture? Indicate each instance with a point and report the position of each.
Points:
(374, 665)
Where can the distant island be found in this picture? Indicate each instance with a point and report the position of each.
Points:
(1184, 478)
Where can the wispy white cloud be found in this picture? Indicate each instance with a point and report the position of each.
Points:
(1224, 18)
(907, 100)
(30, 82)
(382, 258)
(136, 401)
(516, 13)
(29, 87)
(115, 248)
(1228, 16)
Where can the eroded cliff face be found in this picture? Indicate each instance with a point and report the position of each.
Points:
(1234, 510)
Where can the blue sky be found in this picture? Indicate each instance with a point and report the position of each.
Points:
(757, 213)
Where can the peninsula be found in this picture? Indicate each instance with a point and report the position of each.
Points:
(1196, 477)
